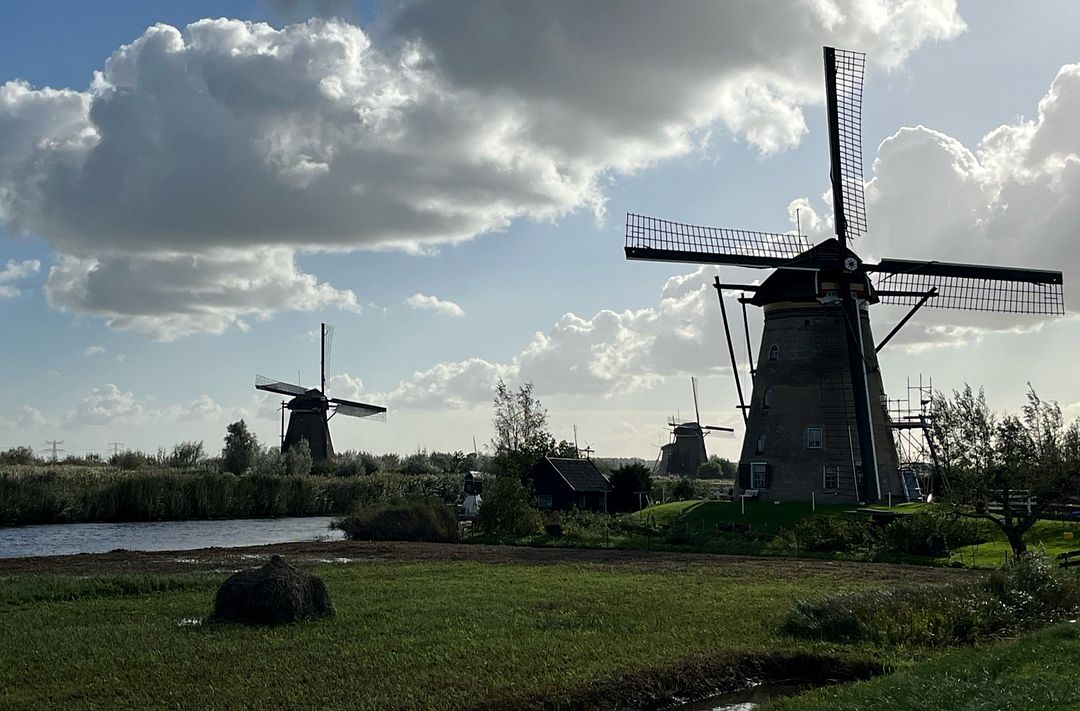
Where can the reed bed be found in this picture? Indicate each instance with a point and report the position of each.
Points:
(39, 495)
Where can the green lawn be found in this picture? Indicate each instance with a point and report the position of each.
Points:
(758, 513)
(1047, 536)
(1037, 672)
(406, 635)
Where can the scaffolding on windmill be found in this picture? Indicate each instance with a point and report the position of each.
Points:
(817, 371)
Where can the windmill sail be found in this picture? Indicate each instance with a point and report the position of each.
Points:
(970, 287)
(359, 409)
(277, 386)
(845, 93)
(654, 239)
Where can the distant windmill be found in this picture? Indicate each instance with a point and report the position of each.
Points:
(817, 371)
(310, 410)
(685, 453)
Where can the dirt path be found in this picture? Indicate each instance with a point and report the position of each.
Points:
(218, 559)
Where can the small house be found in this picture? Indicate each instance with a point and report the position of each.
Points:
(560, 484)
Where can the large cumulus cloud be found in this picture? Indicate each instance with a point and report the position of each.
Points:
(603, 355)
(229, 135)
(1010, 200)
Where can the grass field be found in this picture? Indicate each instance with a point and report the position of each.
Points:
(1037, 672)
(1046, 536)
(758, 513)
(407, 634)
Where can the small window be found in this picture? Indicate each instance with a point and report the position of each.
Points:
(760, 444)
(544, 501)
(767, 400)
(814, 437)
(832, 477)
(774, 352)
(758, 475)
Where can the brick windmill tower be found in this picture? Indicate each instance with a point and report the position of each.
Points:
(817, 424)
(310, 410)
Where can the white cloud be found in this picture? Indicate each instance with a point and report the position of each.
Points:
(226, 138)
(106, 405)
(1009, 201)
(92, 351)
(434, 303)
(609, 353)
(25, 417)
(110, 405)
(167, 296)
(14, 272)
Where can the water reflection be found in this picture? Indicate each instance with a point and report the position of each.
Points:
(71, 538)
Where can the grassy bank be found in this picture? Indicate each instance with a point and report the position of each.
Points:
(35, 495)
(1035, 672)
(406, 634)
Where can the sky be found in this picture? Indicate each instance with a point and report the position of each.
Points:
(188, 189)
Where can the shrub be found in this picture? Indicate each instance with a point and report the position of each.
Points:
(18, 455)
(1026, 593)
(402, 520)
(832, 533)
(683, 490)
(349, 463)
(931, 535)
(507, 510)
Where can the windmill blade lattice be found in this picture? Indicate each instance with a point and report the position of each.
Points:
(359, 409)
(970, 287)
(655, 239)
(277, 386)
(850, 67)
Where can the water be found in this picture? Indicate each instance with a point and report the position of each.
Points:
(746, 699)
(71, 538)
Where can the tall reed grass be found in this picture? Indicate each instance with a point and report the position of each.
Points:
(35, 495)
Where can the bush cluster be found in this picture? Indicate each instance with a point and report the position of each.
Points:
(402, 520)
(1028, 592)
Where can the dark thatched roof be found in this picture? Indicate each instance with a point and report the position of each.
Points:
(581, 474)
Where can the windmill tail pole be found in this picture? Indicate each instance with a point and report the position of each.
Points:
(731, 349)
(322, 358)
(859, 390)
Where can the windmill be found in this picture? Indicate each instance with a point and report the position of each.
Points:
(816, 423)
(310, 410)
(685, 453)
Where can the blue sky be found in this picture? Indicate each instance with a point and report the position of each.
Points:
(517, 269)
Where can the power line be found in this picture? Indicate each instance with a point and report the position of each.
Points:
(54, 447)
(115, 447)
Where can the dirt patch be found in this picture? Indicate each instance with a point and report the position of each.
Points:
(351, 552)
(693, 679)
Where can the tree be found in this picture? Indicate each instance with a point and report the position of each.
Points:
(297, 459)
(521, 434)
(241, 446)
(717, 468)
(629, 484)
(1008, 471)
(683, 490)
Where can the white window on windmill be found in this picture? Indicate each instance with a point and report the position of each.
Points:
(759, 475)
(544, 501)
(831, 477)
(814, 437)
(774, 352)
(760, 448)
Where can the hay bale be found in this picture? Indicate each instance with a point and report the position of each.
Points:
(274, 594)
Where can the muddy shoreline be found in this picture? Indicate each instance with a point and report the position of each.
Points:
(345, 552)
